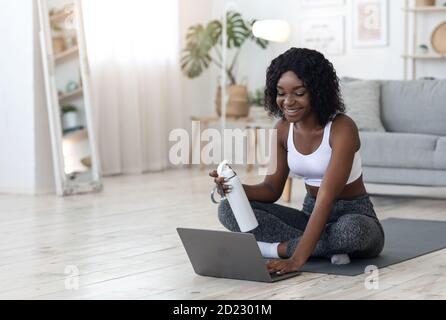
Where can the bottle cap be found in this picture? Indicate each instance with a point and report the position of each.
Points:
(224, 170)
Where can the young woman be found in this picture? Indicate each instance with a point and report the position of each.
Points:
(318, 142)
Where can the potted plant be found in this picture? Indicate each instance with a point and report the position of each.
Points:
(257, 101)
(257, 98)
(422, 49)
(203, 48)
(69, 117)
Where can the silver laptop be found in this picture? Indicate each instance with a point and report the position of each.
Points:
(227, 255)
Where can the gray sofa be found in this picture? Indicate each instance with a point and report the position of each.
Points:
(412, 150)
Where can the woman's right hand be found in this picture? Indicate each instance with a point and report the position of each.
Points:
(220, 182)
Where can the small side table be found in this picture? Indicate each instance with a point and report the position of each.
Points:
(256, 126)
(204, 125)
(264, 124)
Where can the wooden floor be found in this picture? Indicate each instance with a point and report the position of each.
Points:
(124, 243)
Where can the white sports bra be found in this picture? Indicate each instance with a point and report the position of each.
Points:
(312, 167)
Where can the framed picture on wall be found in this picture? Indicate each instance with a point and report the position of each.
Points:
(324, 34)
(321, 3)
(370, 23)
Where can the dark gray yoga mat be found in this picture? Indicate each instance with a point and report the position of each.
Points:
(405, 239)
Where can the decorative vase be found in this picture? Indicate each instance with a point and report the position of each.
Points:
(422, 49)
(238, 101)
(71, 86)
(86, 162)
(69, 120)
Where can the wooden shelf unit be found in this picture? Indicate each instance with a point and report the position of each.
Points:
(410, 55)
(426, 9)
(76, 135)
(66, 54)
(424, 56)
(66, 97)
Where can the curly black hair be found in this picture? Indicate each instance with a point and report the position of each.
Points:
(318, 76)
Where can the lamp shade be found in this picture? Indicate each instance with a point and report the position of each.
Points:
(272, 30)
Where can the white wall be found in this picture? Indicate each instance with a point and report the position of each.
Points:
(197, 94)
(367, 63)
(16, 96)
(25, 156)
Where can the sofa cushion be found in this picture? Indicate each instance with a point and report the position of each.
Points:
(403, 150)
(440, 154)
(413, 177)
(362, 103)
(417, 106)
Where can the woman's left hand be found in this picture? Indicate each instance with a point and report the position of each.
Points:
(283, 266)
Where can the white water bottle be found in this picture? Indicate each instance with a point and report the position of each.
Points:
(237, 199)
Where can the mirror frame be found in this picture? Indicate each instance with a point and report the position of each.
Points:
(65, 186)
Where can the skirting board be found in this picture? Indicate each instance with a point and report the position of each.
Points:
(27, 191)
(406, 191)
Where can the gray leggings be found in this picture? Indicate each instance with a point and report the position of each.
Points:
(352, 227)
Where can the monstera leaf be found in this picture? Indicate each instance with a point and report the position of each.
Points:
(237, 30)
(262, 43)
(201, 40)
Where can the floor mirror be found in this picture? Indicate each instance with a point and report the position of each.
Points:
(67, 82)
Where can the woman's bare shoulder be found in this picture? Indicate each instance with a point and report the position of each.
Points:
(344, 128)
(283, 128)
(343, 123)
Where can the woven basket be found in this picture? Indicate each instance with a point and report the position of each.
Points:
(238, 101)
